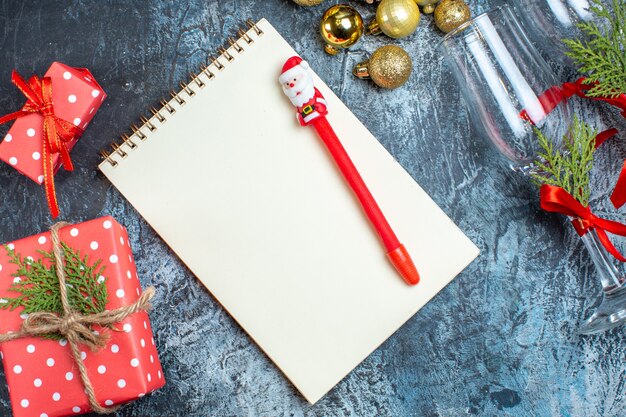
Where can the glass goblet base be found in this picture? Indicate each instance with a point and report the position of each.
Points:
(611, 312)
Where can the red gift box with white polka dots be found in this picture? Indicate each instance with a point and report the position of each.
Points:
(42, 376)
(76, 96)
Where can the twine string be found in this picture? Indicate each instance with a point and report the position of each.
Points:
(75, 327)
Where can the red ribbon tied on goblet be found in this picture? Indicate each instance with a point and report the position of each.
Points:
(556, 94)
(57, 133)
(580, 88)
(557, 200)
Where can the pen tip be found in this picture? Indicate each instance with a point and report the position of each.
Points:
(403, 263)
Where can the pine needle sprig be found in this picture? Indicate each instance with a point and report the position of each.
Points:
(603, 55)
(568, 168)
(37, 285)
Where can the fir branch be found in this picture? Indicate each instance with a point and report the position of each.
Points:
(570, 168)
(603, 55)
(38, 286)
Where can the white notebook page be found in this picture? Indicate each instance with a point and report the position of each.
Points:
(254, 206)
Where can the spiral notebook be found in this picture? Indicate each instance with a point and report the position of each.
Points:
(253, 205)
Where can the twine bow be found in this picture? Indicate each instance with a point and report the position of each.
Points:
(74, 326)
(56, 131)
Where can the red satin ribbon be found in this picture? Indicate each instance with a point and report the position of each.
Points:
(557, 200)
(580, 89)
(56, 131)
(555, 95)
(618, 196)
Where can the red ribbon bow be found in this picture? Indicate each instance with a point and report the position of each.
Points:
(557, 200)
(56, 131)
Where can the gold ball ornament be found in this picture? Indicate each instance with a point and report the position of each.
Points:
(341, 27)
(428, 6)
(450, 14)
(389, 67)
(395, 18)
(307, 2)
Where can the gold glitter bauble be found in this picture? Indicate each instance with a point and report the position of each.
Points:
(307, 2)
(341, 27)
(395, 18)
(450, 14)
(428, 6)
(389, 67)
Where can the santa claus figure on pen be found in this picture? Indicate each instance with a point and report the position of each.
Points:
(297, 82)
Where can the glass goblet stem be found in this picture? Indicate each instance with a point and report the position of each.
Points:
(611, 311)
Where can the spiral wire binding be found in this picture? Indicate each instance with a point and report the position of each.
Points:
(226, 54)
(217, 63)
(166, 105)
(235, 45)
(243, 35)
(156, 113)
(120, 152)
(137, 132)
(148, 123)
(197, 79)
(206, 71)
(176, 96)
(186, 89)
(127, 140)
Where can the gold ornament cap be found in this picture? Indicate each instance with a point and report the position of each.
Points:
(428, 9)
(450, 14)
(428, 6)
(389, 67)
(395, 18)
(373, 28)
(307, 2)
(341, 27)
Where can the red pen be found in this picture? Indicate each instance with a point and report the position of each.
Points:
(297, 83)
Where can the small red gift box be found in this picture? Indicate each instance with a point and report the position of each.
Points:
(76, 96)
(41, 373)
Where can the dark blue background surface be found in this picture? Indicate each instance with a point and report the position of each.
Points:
(500, 340)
